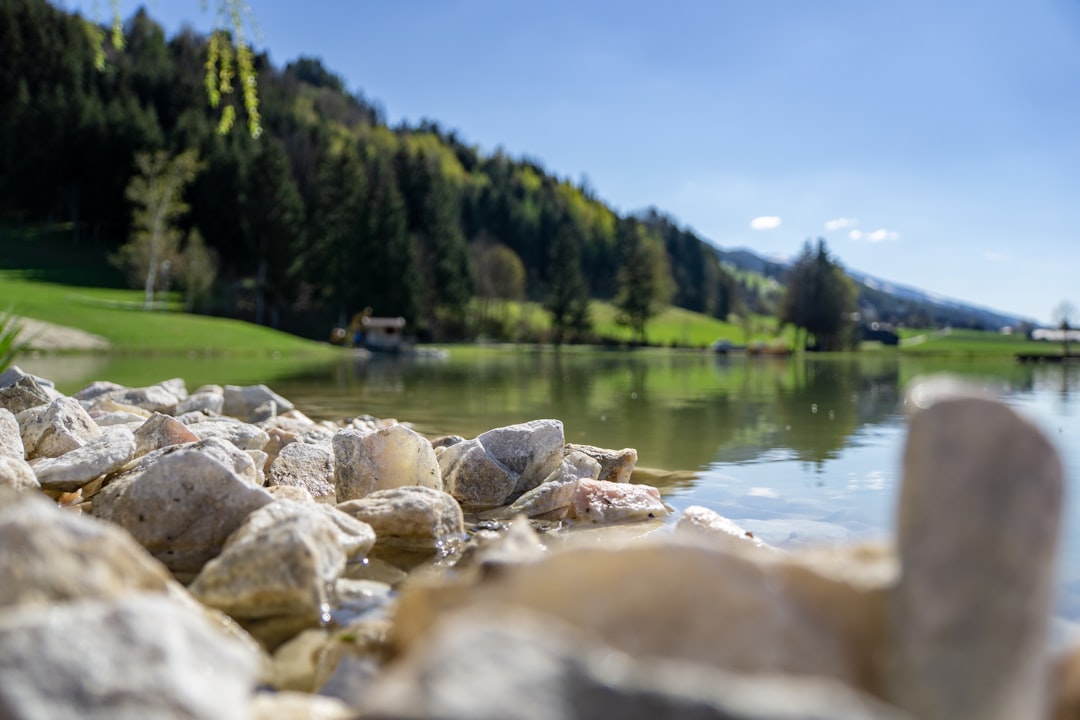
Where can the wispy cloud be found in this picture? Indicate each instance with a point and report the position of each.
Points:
(765, 222)
(840, 223)
(996, 257)
(875, 236)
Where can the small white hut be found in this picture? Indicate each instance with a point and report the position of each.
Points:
(383, 333)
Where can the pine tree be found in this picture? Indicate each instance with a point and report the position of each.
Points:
(568, 297)
(644, 278)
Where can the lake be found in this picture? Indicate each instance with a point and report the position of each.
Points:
(797, 450)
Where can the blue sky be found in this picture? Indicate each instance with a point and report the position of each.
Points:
(935, 144)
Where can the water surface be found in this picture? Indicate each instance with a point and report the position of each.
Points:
(797, 450)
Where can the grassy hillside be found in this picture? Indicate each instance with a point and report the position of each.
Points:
(50, 278)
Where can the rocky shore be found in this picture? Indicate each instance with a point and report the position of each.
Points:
(218, 554)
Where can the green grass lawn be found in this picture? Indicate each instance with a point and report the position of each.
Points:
(971, 342)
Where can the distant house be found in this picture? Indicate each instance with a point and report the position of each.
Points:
(382, 333)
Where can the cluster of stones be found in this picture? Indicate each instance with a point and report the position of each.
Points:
(217, 554)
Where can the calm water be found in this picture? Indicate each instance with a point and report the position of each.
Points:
(798, 450)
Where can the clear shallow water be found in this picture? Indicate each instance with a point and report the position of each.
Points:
(799, 451)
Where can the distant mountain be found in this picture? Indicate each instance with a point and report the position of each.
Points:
(885, 300)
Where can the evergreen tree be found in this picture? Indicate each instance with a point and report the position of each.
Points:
(644, 278)
(273, 216)
(820, 299)
(568, 297)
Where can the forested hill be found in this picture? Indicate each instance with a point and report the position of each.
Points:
(330, 210)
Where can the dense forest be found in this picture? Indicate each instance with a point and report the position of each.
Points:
(330, 210)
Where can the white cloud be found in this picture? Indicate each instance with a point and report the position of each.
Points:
(996, 257)
(840, 223)
(765, 222)
(875, 236)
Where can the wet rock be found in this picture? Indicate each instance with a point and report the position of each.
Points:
(391, 457)
(716, 529)
(72, 470)
(606, 502)
(308, 466)
(181, 507)
(207, 402)
(161, 431)
(549, 500)
(24, 393)
(57, 428)
(615, 465)
(11, 444)
(518, 543)
(142, 656)
(59, 556)
(16, 473)
(243, 435)
(283, 560)
(978, 522)
(509, 664)
(244, 402)
(411, 519)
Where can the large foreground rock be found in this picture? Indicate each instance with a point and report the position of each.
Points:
(51, 556)
(762, 614)
(512, 665)
(181, 508)
(978, 525)
(137, 657)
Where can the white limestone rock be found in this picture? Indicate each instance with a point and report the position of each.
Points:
(72, 470)
(208, 402)
(413, 519)
(243, 402)
(308, 466)
(59, 556)
(243, 435)
(11, 444)
(474, 477)
(283, 560)
(615, 465)
(182, 507)
(391, 457)
(16, 473)
(140, 656)
(24, 393)
(57, 428)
